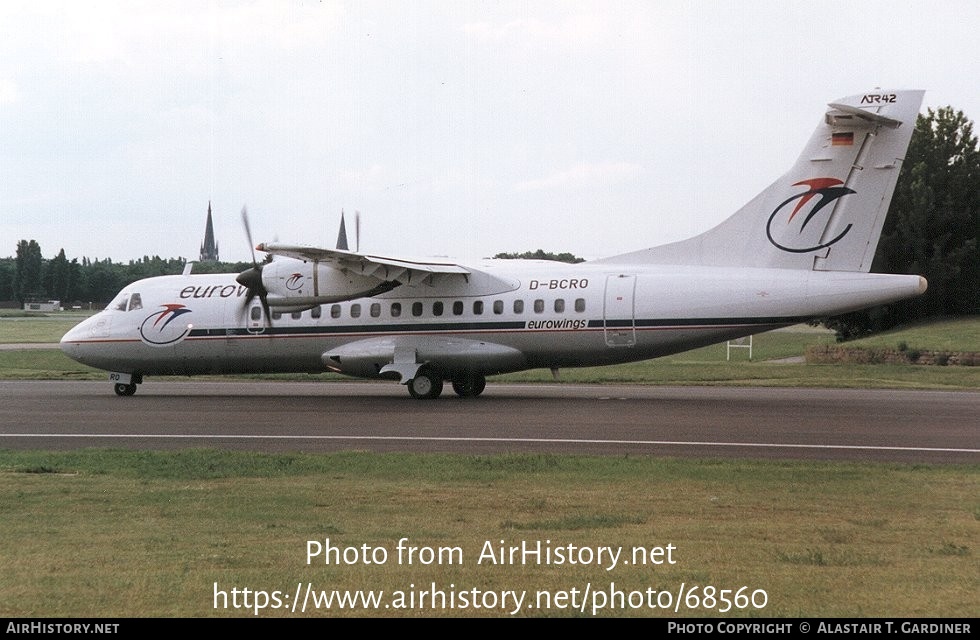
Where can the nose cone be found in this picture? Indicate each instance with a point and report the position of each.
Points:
(78, 341)
(70, 342)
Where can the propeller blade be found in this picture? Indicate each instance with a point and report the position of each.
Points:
(251, 279)
(248, 234)
(357, 231)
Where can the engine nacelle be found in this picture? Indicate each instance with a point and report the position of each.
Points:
(295, 284)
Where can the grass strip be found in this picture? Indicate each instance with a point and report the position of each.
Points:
(142, 534)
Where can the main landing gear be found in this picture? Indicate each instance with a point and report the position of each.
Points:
(470, 387)
(427, 385)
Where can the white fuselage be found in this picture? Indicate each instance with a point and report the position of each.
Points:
(553, 315)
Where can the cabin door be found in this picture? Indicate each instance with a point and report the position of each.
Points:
(617, 311)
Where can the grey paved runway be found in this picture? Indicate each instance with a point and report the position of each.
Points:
(704, 422)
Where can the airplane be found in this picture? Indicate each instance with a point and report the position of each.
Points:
(799, 251)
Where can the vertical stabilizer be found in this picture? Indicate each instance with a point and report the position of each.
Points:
(827, 211)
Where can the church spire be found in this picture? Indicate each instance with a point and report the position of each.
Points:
(209, 250)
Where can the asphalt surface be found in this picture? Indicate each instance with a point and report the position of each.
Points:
(699, 422)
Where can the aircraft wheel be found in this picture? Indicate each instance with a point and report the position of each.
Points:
(426, 385)
(470, 387)
(124, 389)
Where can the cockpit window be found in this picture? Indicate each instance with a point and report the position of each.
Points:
(127, 302)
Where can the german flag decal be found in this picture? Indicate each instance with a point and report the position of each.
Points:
(843, 139)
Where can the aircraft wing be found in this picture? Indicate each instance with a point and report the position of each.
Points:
(404, 271)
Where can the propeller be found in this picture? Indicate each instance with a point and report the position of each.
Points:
(357, 231)
(251, 279)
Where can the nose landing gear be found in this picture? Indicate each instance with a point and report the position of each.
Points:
(124, 389)
(124, 384)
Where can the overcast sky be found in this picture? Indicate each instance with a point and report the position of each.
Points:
(456, 128)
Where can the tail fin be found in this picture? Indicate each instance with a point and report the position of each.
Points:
(825, 213)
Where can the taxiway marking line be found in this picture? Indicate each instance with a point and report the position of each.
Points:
(465, 439)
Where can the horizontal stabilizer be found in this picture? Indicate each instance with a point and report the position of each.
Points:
(867, 116)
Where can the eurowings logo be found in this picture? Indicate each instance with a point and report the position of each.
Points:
(823, 191)
(160, 329)
(295, 282)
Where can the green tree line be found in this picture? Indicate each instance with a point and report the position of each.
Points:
(541, 254)
(29, 276)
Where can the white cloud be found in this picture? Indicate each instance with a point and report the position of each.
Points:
(585, 176)
(189, 35)
(372, 178)
(9, 92)
(574, 29)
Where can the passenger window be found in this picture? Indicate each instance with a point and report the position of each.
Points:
(580, 304)
(560, 305)
(296, 315)
(478, 307)
(396, 309)
(316, 312)
(437, 308)
(375, 309)
(518, 306)
(276, 315)
(335, 311)
(416, 309)
(355, 311)
(539, 306)
(255, 313)
(498, 306)
(458, 308)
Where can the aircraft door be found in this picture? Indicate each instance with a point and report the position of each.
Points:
(255, 322)
(239, 324)
(618, 312)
